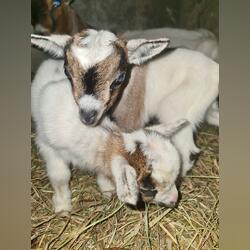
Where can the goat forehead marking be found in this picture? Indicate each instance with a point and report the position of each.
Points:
(93, 47)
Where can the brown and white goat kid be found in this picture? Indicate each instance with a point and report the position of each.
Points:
(144, 162)
(104, 69)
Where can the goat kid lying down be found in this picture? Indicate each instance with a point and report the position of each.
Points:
(142, 163)
(134, 80)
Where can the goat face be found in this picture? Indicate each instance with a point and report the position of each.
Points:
(98, 65)
(159, 167)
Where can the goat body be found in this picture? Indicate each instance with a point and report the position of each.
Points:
(182, 84)
(136, 81)
(118, 160)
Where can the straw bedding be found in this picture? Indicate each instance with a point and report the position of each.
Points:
(100, 223)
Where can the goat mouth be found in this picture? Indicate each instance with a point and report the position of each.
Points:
(147, 195)
(89, 124)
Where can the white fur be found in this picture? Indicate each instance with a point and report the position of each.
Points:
(181, 84)
(201, 40)
(212, 115)
(89, 102)
(53, 44)
(165, 161)
(125, 177)
(163, 157)
(170, 197)
(106, 185)
(63, 139)
(131, 138)
(95, 47)
(40, 29)
(142, 50)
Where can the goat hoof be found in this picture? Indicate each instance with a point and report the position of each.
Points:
(194, 156)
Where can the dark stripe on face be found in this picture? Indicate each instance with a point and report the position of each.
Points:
(90, 80)
(123, 61)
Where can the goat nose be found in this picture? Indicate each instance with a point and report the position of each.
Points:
(88, 117)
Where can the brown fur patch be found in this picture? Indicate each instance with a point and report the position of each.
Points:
(137, 160)
(129, 112)
(114, 147)
(107, 72)
(76, 73)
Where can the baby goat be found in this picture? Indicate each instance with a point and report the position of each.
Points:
(104, 69)
(144, 163)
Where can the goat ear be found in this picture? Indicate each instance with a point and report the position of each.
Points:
(126, 184)
(170, 129)
(142, 50)
(54, 44)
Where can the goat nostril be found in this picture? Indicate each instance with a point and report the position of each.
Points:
(88, 117)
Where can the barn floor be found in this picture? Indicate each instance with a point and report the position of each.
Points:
(100, 223)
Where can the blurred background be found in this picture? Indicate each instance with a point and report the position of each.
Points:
(123, 15)
(71, 16)
(120, 15)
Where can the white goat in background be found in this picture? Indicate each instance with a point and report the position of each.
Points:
(201, 39)
(144, 162)
(104, 69)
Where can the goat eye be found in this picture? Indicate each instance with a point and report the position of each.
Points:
(118, 81)
(121, 77)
